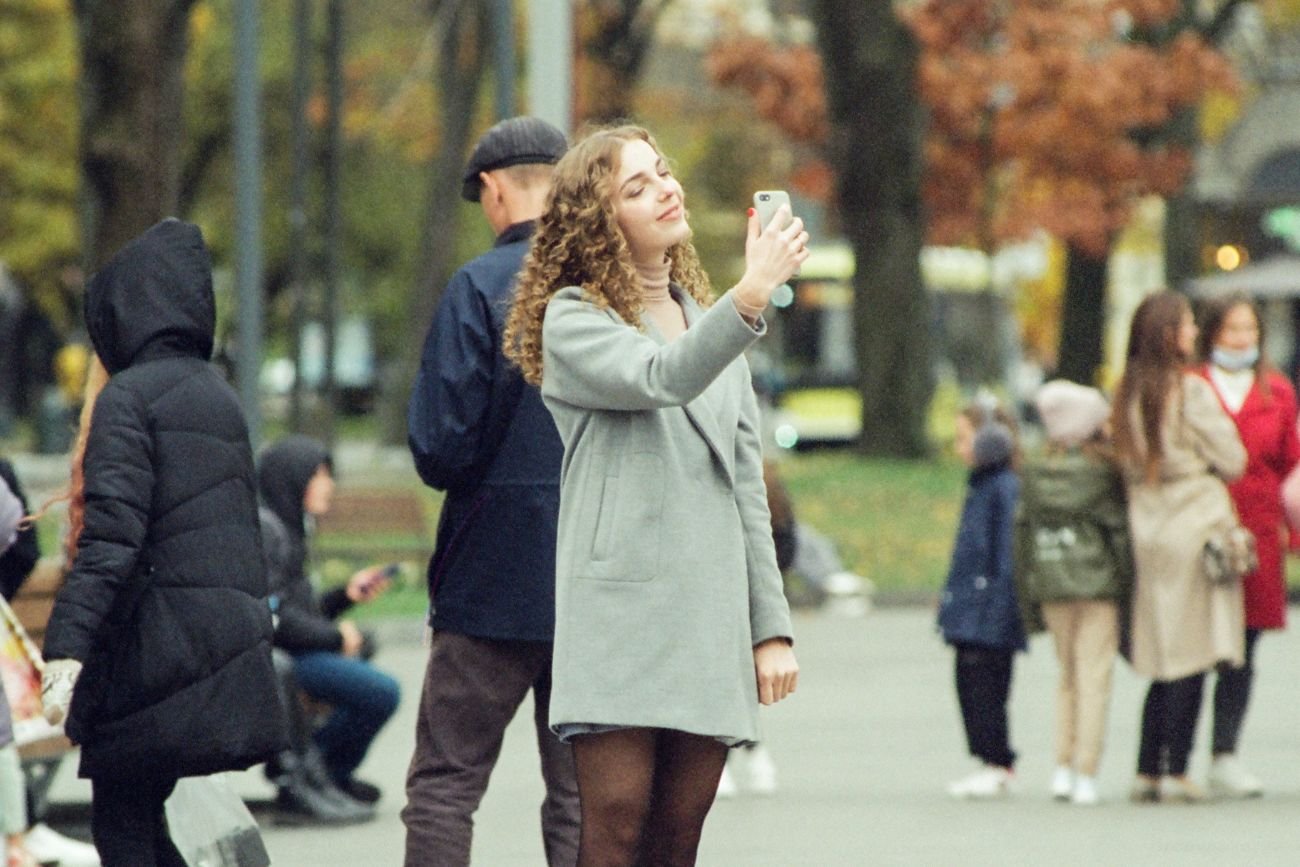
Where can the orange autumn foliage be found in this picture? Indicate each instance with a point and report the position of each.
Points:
(1043, 114)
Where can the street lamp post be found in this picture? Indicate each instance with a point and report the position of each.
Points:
(248, 212)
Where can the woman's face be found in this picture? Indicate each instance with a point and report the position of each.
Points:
(648, 203)
(1239, 331)
(1187, 334)
(318, 497)
(964, 441)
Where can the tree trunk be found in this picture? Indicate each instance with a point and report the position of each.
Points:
(874, 148)
(132, 85)
(614, 36)
(1182, 219)
(463, 41)
(1083, 318)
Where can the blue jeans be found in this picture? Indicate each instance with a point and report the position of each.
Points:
(363, 698)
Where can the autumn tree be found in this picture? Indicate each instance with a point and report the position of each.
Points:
(1057, 114)
(132, 85)
(38, 140)
(865, 118)
(613, 39)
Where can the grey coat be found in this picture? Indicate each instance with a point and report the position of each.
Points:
(666, 572)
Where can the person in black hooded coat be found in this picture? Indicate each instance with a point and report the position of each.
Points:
(296, 482)
(159, 646)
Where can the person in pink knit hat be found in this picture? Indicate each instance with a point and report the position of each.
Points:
(1074, 570)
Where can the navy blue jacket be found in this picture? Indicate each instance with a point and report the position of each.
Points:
(480, 433)
(979, 599)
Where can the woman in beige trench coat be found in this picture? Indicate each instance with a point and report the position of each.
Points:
(1177, 447)
(670, 622)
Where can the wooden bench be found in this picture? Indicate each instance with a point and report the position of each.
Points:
(371, 525)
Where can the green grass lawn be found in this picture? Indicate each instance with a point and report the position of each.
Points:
(893, 521)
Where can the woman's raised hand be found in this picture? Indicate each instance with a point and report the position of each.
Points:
(772, 255)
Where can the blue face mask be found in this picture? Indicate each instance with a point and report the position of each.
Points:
(1234, 360)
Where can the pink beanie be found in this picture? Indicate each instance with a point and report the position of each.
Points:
(1071, 413)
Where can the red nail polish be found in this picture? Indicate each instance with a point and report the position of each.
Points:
(750, 212)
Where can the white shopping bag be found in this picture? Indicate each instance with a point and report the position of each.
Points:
(211, 826)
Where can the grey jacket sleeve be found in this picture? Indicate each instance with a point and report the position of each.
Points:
(593, 360)
(769, 613)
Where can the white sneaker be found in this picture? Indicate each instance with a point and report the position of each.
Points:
(50, 847)
(1230, 779)
(1085, 792)
(760, 770)
(726, 785)
(1062, 782)
(987, 782)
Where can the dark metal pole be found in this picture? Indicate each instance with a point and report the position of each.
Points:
(248, 212)
(333, 215)
(503, 56)
(298, 254)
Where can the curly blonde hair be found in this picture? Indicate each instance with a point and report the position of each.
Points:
(578, 243)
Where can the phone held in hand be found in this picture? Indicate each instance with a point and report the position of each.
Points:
(766, 203)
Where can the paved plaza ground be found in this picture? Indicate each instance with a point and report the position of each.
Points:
(865, 748)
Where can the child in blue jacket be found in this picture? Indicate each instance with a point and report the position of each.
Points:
(978, 612)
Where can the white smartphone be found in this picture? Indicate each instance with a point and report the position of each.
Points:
(766, 203)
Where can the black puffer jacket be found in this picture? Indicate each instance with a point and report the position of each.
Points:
(305, 623)
(166, 600)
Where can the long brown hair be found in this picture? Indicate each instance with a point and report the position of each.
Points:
(1152, 371)
(579, 243)
(96, 379)
(1211, 315)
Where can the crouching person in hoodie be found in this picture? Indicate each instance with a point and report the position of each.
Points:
(296, 482)
(158, 651)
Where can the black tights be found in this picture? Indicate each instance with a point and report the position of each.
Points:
(644, 795)
(1231, 695)
(1169, 725)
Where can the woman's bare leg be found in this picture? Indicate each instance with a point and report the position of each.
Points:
(615, 780)
(687, 769)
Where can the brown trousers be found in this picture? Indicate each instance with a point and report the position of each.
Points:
(1086, 633)
(472, 689)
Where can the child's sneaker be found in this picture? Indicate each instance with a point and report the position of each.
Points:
(1085, 792)
(1062, 782)
(726, 785)
(760, 770)
(988, 782)
(1230, 779)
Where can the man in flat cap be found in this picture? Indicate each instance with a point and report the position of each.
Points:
(480, 433)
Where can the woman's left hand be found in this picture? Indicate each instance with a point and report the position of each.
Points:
(775, 669)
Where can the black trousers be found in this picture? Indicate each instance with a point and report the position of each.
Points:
(1169, 725)
(983, 676)
(1231, 695)
(128, 824)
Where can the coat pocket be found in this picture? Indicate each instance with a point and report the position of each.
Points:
(628, 520)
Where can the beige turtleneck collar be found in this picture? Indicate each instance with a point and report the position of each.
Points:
(659, 303)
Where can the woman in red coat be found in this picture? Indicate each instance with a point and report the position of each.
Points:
(1263, 404)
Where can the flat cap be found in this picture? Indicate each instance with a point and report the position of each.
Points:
(515, 141)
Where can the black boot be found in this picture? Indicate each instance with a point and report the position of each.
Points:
(301, 802)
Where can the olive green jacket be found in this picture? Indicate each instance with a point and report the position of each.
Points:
(1071, 533)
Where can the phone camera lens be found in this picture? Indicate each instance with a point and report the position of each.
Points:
(765, 197)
